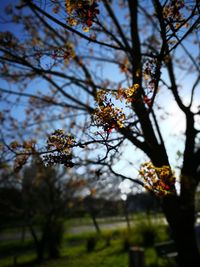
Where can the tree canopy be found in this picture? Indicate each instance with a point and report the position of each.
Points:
(88, 77)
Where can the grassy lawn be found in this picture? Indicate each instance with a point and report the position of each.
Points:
(110, 249)
(102, 256)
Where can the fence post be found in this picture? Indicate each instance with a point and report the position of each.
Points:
(136, 257)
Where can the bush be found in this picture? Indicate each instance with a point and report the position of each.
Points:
(147, 233)
(149, 236)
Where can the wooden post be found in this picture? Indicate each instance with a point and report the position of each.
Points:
(136, 257)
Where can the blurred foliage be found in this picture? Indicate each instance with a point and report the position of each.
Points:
(108, 249)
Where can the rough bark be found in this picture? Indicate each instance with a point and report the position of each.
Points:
(180, 214)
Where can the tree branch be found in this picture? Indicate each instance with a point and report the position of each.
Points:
(65, 26)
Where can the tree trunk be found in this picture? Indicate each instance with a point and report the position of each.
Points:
(39, 244)
(95, 223)
(126, 214)
(40, 251)
(188, 254)
(127, 221)
(181, 220)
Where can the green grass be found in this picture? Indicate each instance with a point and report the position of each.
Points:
(108, 252)
(77, 255)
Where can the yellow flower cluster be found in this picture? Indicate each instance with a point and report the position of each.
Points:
(159, 180)
(106, 114)
(60, 141)
(27, 146)
(20, 161)
(110, 117)
(67, 52)
(23, 152)
(14, 144)
(172, 10)
(128, 94)
(60, 145)
(81, 11)
(72, 21)
(71, 5)
(101, 96)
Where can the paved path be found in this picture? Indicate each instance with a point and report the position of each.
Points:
(74, 229)
(103, 226)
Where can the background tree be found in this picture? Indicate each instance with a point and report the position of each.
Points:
(44, 208)
(10, 200)
(87, 58)
(37, 203)
(97, 197)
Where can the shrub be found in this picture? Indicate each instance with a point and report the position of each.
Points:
(146, 232)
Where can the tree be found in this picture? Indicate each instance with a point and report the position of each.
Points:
(89, 56)
(10, 205)
(40, 202)
(87, 191)
(36, 203)
(44, 208)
